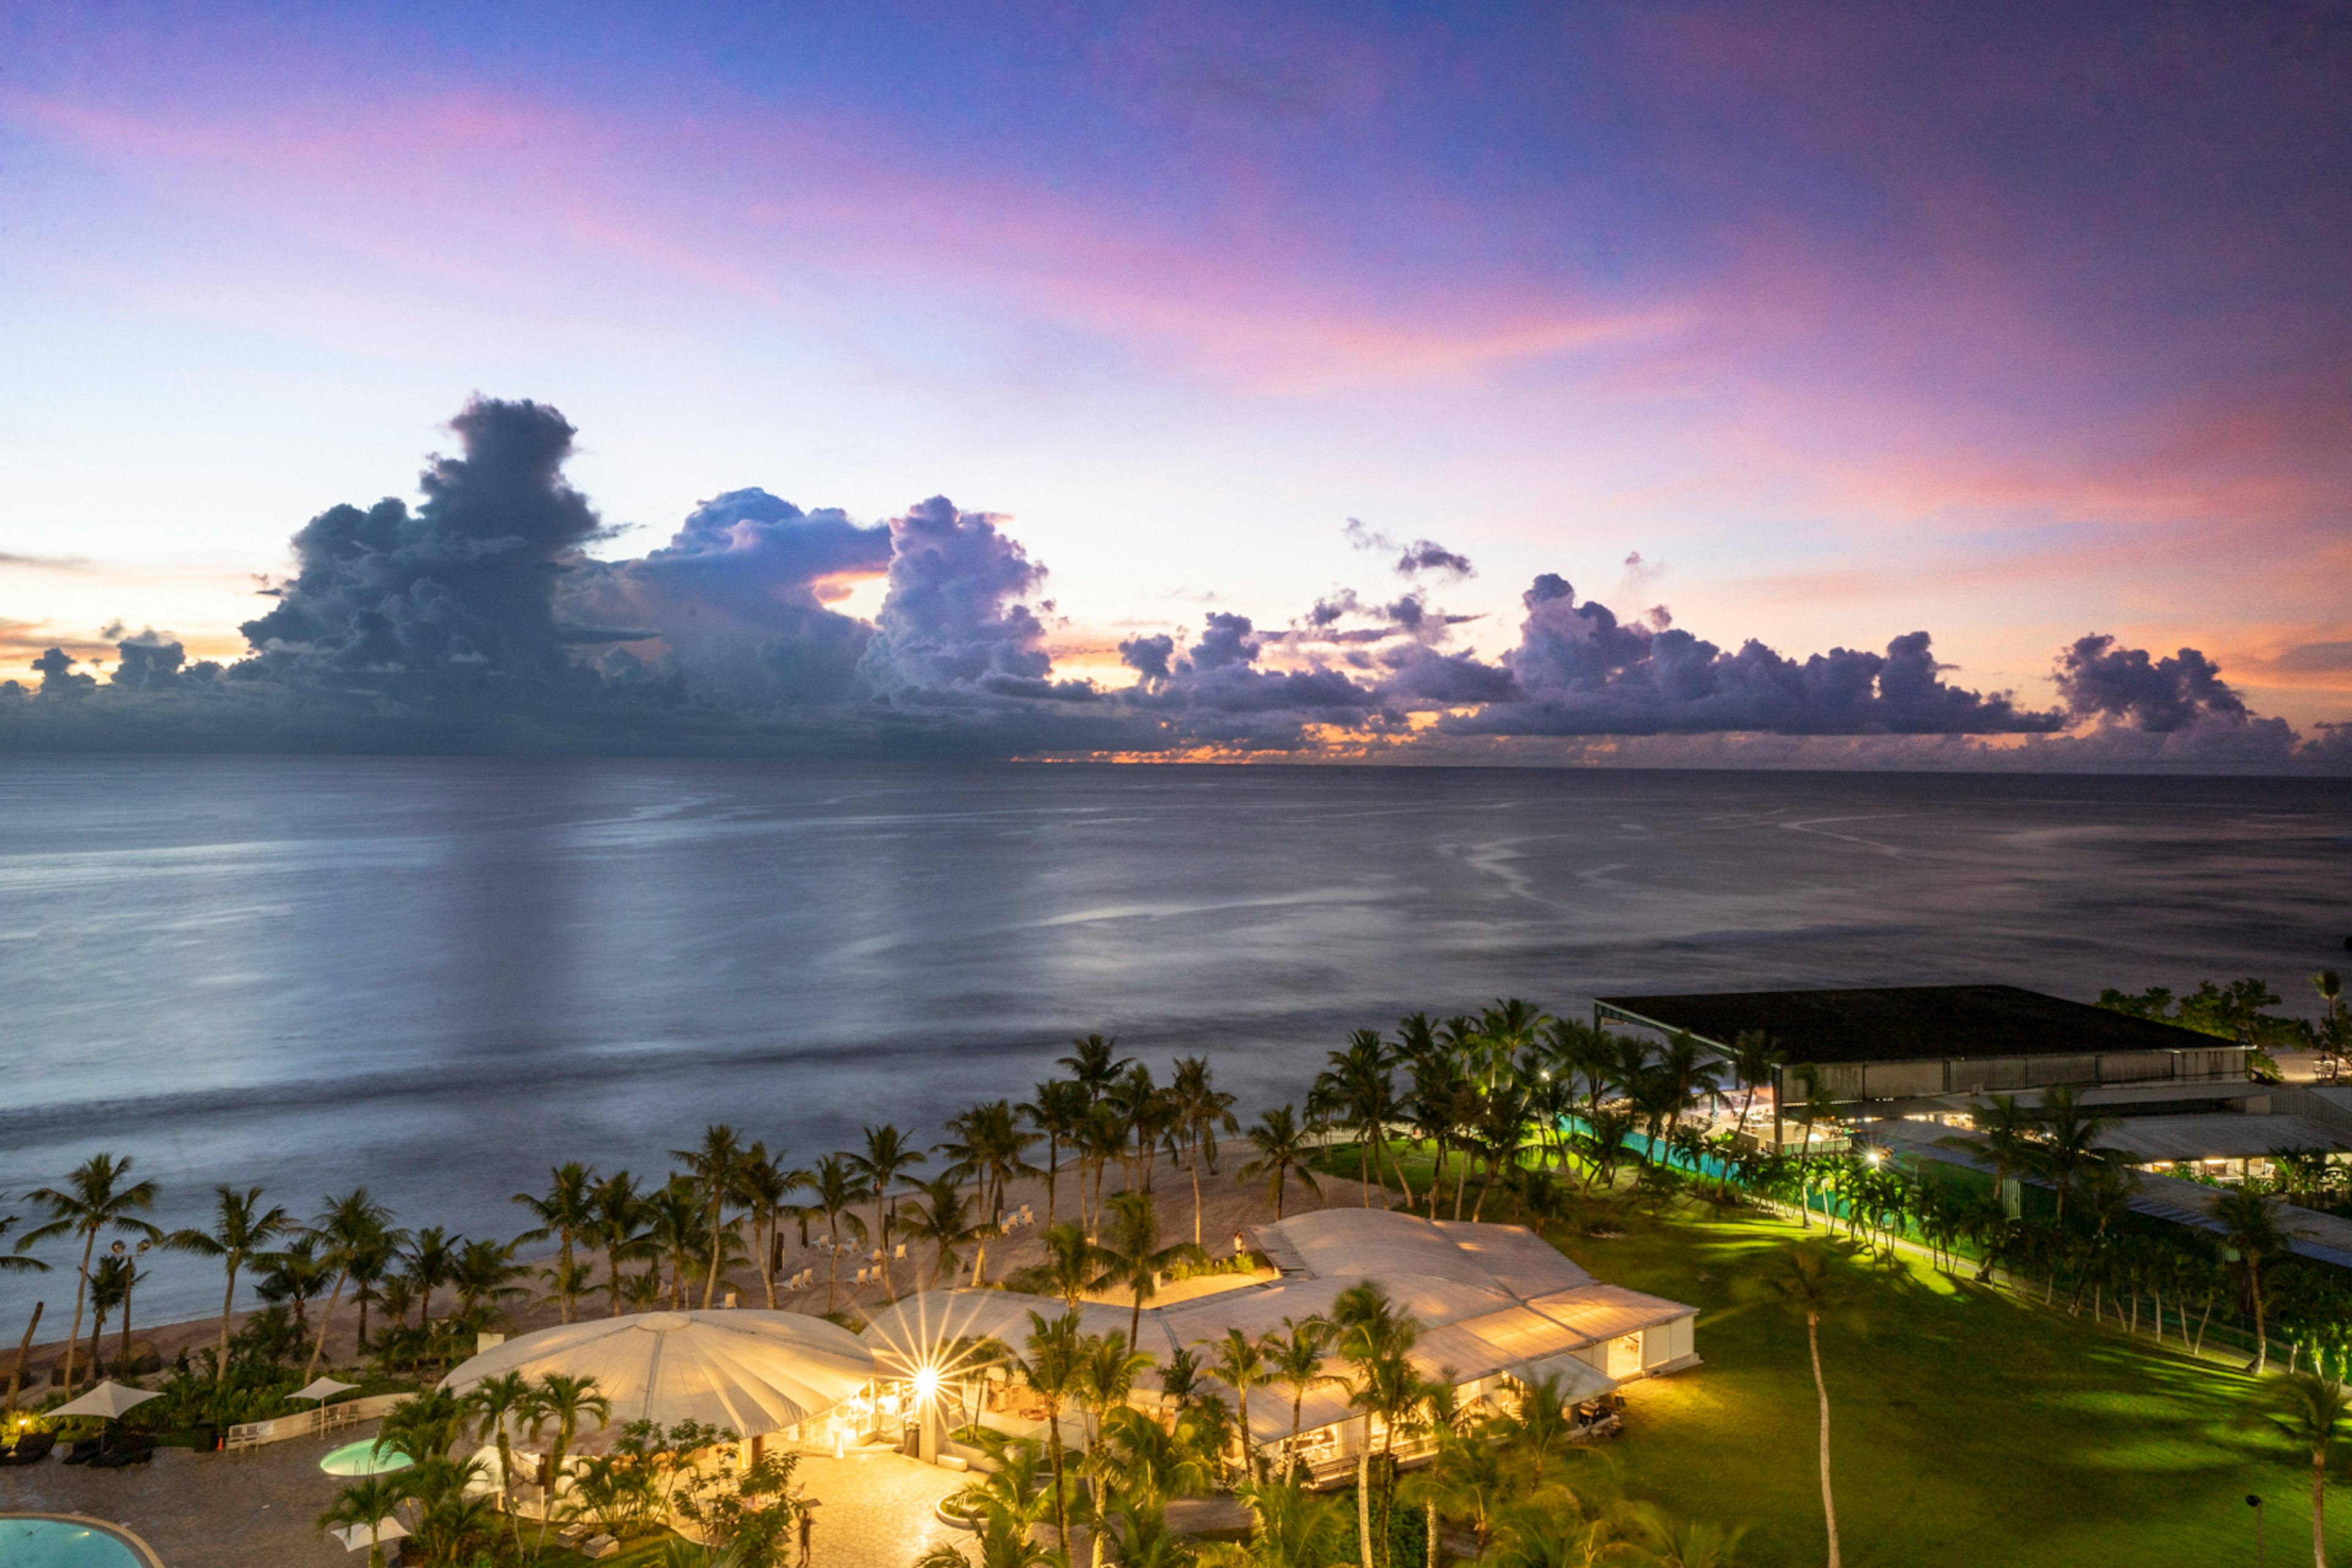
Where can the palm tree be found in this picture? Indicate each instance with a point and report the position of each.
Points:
(295, 1273)
(367, 1502)
(1505, 1029)
(485, 1271)
(837, 1193)
(16, 1262)
(1290, 1527)
(618, 1229)
(1239, 1363)
(2069, 1140)
(431, 1259)
(1281, 1152)
(674, 1233)
(1069, 1264)
(1812, 1281)
(1672, 1542)
(99, 1196)
(942, 1218)
(2308, 1411)
(887, 1157)
(1146, 1110)
(1376, 1342)
(1202, 1111)
(987, 1149)
(2251, 1230)
(1358, 1087)
(567, 1208)
(1061, 1102)
(1101, 1138)
(1094, 1063)
(1295, 1359)
(1755, 1061)
(497, 1406)
(1133, 1256)
(349, 1228)
(766, 1184)
(562, 1400)
(1050, 1365)
(717, 1164)
(1464, 1480)
(241, 1230)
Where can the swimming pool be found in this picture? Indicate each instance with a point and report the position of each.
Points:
(64, 1543)
(360, 1459)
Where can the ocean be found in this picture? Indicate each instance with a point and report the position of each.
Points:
(438, 977)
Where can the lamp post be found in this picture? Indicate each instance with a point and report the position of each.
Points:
(2256, 1504)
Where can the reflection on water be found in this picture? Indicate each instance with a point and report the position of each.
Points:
(438, 978)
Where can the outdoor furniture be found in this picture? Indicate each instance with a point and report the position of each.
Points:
(126, 1451)
(29, 1450)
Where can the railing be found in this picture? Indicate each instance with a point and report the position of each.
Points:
(308, 1423)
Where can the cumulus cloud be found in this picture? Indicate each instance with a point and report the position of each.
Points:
(737, 600)
(2098, 679)
(481, 619)
(454, 597)
(1578, 670)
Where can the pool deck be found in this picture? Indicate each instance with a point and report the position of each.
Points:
(197, 1511)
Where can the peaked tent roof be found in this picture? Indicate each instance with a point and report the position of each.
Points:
(752, 1371)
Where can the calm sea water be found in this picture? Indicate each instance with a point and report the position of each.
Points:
(439, 977)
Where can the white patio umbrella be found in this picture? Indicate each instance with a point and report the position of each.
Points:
(108, 1400)
(360, 1537)
(322, 1389)
(756, 1371)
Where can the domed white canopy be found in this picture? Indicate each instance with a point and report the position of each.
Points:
(752, 1370)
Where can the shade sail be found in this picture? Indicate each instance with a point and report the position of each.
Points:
(108, 1400)
(322, 1388)
(752, 1372)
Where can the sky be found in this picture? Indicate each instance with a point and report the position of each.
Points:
(1065, 328)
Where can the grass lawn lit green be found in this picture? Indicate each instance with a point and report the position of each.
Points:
(1966, 1428)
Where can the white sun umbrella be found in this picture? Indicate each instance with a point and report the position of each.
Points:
(360, 1537)
(108, 1400)
(754, 1372)
(322, 1389)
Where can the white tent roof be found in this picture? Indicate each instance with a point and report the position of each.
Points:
(359, 1537)
(108, 1400)
(322, 1388)
(752, 1370)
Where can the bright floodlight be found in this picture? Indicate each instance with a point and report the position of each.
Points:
(927, 1384)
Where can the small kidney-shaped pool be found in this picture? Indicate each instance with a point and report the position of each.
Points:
(64, 1543)
(364, 1458)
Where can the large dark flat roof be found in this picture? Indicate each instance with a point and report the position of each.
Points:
(1899, 1023)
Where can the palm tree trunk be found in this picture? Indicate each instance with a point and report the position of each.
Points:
(767, 1233)
(2262, 1334)
(326, 1321)
(611, 1286)
(81, 1287)
(2319, 1508)
(229, 1305)
(1061, 1491)
(1196, 1194)
(1821, 1388)
(710, 1285)
(24, 1354)
(1364, 1499)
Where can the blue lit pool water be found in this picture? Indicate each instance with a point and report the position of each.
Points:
(56, 1543)
(360, 1459)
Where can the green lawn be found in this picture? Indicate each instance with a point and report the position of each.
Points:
(1967, 1429)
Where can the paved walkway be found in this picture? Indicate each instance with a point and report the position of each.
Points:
(875, 1509)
